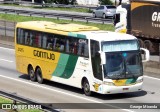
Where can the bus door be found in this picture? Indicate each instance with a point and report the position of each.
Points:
(96, 60)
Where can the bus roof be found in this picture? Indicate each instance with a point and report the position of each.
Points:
(88, 32)
(107, 36)
(50, 26)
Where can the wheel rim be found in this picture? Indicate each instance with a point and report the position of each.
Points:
(31, 72)
(86, 88)
(39, 75)
(148, 45)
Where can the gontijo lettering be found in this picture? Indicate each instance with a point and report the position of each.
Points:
(45, 55)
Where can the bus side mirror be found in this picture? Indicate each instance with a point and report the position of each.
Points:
(116, 18)
(103, 57)
(146, 55)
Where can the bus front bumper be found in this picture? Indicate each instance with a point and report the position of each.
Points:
(121, 89)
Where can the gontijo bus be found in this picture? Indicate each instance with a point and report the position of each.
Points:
(80, 56)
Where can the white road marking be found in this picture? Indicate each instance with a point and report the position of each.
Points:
(58, 91)
(6, 48)
(151, 77)
(6, 60)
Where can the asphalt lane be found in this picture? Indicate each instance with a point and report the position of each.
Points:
(52, 92)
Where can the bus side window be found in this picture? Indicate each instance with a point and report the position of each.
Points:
(83, 48)
(20, 35)
(62, 43)
(44, 42)
(67, 46)
(73, 45)
(31, 38)
(50, 42)
(39, 39)
(57, 45)
(27, 38)
(36, 39)
(86, 51)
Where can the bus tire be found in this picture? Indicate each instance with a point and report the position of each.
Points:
(31, 74)
(86, 88)
(39, 75)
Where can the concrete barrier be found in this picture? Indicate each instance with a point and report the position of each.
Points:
(152, 67)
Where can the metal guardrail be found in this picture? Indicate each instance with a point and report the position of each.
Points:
(7, 31)
(16, 98)
(72, 17)
(20, 2)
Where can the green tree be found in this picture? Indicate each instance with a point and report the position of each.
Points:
(61, 1)
(106, 2)
(49, 1)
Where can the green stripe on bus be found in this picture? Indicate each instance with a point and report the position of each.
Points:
(76, 35)
(81, 36)
(72, 34)
(71, 64)
(62, 62)
(130, 81)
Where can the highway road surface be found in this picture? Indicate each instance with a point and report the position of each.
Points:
(51, 92)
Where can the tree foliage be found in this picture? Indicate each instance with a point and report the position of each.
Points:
(60, 1)
(106, 2)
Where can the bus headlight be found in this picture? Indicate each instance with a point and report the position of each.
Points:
(139, 80)
(108, 83)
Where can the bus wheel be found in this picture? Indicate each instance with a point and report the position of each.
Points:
(31, 74)
(141, 43)
(39, 75)
(86, 88)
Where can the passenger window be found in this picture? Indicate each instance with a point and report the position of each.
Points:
(20, 36)
(50, 41)
(44, 42)
(36, 37)
(72, 45)
(83, 47)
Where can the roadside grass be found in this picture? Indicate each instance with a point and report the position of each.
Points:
(4, 100)
(20, 18)
(84, 10)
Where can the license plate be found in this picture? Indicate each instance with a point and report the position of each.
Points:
(125, 89)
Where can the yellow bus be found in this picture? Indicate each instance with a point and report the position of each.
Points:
(80, 56)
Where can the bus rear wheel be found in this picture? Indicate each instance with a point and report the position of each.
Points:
(31, 74)
(86, 88)
(39, 75)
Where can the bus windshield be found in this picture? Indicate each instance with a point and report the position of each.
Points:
(123, 60)
(121, 65)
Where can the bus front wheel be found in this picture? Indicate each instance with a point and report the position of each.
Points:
(31, 74)
(39, 75)
(86, 88)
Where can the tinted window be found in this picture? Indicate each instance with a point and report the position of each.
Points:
(110, 7)
(101, 7)
(60, 43)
